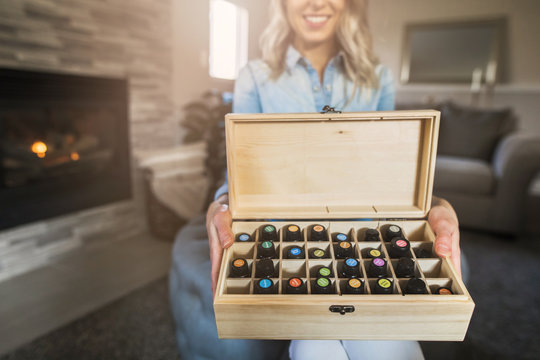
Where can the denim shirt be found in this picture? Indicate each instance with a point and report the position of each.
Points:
(299, 89)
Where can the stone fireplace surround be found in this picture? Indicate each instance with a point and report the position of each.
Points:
(129, 39)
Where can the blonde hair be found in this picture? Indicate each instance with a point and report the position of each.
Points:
(353, 35)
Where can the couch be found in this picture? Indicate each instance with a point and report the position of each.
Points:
(485, 166)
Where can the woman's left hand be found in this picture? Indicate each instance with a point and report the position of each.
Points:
(443, 220)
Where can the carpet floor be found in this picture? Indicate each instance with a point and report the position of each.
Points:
(504, 283)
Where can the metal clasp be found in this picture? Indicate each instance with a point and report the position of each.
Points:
(329, 110)
(342, 309)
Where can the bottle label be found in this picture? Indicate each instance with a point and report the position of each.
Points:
(374, 253)
(394, 228)
(324, 271)
(345, 245)
(243, 237)
(318, 253)
(384, 283)
(295, 251)
(293, 228)
(267, 244)
(378, 262)
(354, 283)
(351, 262)
(323, 282)
(239, 263)
(269, 228)
(341, 237)
(401, 243)
(295, 282)
(265, 283)
(318, 228)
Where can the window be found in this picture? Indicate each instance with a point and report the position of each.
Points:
(228, 39)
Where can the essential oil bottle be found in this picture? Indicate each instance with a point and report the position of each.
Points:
(318, 233)
(292, 233)
(239, 268)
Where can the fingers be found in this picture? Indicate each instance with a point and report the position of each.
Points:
(216, 253)
(222, 220)
(447, 236)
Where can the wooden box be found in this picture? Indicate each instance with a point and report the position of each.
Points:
(348, 172)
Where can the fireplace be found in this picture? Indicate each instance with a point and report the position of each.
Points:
(64, 144)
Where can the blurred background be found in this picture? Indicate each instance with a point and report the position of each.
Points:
(111, 140)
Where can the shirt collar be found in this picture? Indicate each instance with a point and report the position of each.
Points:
(292, 57)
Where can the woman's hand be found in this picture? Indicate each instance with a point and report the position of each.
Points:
(443, 220)
(220, 236)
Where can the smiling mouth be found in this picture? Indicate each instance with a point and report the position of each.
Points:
(316, 19)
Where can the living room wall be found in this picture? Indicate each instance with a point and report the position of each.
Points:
(389, 17)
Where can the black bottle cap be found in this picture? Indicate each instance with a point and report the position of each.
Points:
(239, 268)
(316, 253)
(371, 235)
(351, 268)
(294, 252)
(383, 286)
(340, 237)
(264, 268)
(377, 268)
(244, 237)
(322, 286)
(354, 286)
(292, 233)
(392, 231)
(399, 247)
(443, 290)
(264, 286)
(295, 286)
(344, 249)
(317, 233)
(405, 268)
(266, 249)
(415, 286)
(373, 253)
(323, 271)
(268, 233)
(423, 253)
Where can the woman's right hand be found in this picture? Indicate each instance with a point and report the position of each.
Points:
(220, 236)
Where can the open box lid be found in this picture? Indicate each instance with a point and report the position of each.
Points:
(331, 166)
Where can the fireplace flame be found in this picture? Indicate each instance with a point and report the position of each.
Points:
(39, 148)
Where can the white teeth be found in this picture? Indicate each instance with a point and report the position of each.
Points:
(316, 19)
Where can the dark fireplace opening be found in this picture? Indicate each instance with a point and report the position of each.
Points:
(64, 144)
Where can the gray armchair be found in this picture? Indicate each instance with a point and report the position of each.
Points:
(485, 167)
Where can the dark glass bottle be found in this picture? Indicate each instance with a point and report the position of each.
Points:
(322, 286)
(415, 286)
(292, 233)
(351, 268)
(264, 286)
(268, 233)
(266, 250)
(318, 233)
(399, 247)
(405, 268)
(295, 285)
(371, 235)
(377, 268)
(392, 231)
(383, 286)
(423, 253)
(353, 286)
(239, 268)
(323, 271)
(443, 290)
(344, 249)
(264, 268)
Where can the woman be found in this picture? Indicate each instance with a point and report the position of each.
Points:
(316, 53)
